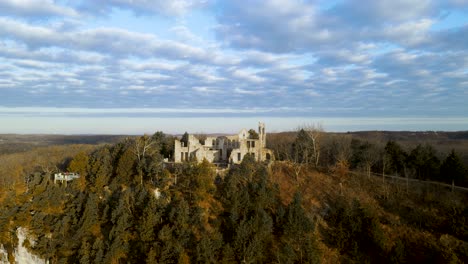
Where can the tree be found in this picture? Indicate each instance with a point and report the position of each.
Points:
(365, 155)
(79, 164)
(100, 168)
(424, 161)
(201, 138)
(452, 168)
(300, 152)
(396, 157)
(301, 146)
(315, 133)
(253, 134)
(340, 148)
(297, 241)
(281, 144)
(185, 138)
(145, 146)
(125, 166)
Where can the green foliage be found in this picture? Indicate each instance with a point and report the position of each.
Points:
(423, 160)
(297, 241)
(117, 218)
(302, 151)
(253, 134)
(79, 164)
(185, 138)
(397, 158)
(453, 169)
(356, 231)
(126, 166)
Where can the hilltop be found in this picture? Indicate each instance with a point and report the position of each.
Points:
(124, 209)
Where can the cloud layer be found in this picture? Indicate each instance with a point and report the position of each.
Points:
(280, 58)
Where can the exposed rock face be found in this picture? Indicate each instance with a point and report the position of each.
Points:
(21, 254)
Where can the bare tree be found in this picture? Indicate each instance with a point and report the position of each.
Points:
(370, 156)
(386, 161)
(316, 134)
(342, 152)
(201, 137)
(142, 147)
(282, 145)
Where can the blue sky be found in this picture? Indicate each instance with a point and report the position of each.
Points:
(135, 66)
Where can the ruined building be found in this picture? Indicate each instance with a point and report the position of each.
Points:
(224, 149)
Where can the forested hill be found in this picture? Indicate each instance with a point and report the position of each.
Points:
(412, 135)
(14, 143)
(127, 207)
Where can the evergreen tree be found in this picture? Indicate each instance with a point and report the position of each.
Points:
(301, 148)
(125, 171)
(297, 239)
(185, 138)
(397, 158)
(253, 134)
(452, 168)
(424, 162)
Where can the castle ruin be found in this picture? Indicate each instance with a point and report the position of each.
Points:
(224, 149)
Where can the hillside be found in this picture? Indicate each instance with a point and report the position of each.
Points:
(129, 210)
(362, 219)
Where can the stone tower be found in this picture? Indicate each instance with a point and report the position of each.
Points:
(262, 134)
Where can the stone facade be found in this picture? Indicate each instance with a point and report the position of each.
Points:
(224, 149)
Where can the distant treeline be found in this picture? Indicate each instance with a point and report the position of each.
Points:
(347, 151)
(13, 143)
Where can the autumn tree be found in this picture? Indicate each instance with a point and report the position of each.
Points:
(100, 168)
(126, 164)
(79, 164)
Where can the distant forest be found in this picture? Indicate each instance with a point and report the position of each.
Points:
(319, 202)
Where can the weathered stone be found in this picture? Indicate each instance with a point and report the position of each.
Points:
(224, 149)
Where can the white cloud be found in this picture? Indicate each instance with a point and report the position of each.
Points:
(115, 41)
(272, 25)
(370, 12)
(34, 8)
(246, 76)
(161, 7)
(410, 33)
(282, 55)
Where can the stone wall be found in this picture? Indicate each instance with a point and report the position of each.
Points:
(224, 149)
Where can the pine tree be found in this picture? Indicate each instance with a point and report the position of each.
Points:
(297, 239)
(424, 161)
(452, 168)
(397, 158)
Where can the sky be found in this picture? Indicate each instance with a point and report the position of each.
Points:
(139, 66)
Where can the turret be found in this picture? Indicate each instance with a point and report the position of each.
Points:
(262, 134)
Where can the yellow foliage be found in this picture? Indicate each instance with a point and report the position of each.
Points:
(79, 163)
(184, 259)
(341, 168)
(96, 230)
